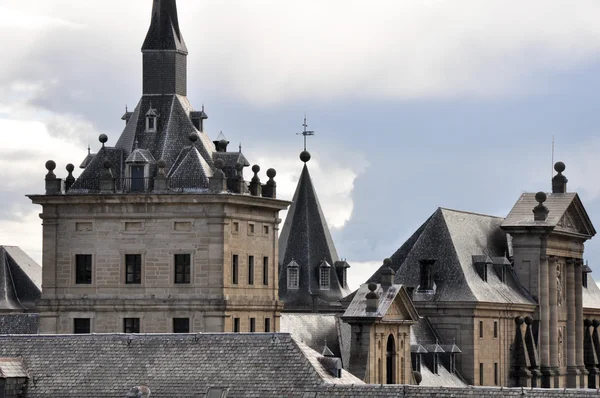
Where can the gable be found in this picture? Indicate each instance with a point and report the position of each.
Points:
(396, 312)
(575, 220)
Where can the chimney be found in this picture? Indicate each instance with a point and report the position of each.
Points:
(387, 274)
(221, 143)
(559, 182)
(372, 298)
(540, 212)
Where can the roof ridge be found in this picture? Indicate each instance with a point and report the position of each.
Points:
(471, 213)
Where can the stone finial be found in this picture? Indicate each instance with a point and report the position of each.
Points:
(559, 182)
(218, 182)
(160, 181)
(372, 298)
(103, 138)
(255, 186)
(532, 352)
(269, 190)
(70, 180)
(107, 181)
(239, 183)
(305, 156)
(193, 137)
(540, 212)
(53, 184)
(387, 273)
(418, 377)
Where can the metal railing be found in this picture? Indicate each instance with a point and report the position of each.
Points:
(142, 185)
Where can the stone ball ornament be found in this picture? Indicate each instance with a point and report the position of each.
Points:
(70, 168)
(305, 156)
(541, 197)
(103, 138)
(219, 164)
(255, 169)
(528, 320)
(587, 323)
(50, 165)
(271, 173)
(193, 137)
(107, 164)
(372, 286)
(595, 323)
(519, 320)
(161, 164)
(560, 167)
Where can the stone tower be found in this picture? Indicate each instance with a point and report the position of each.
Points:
(160, 233)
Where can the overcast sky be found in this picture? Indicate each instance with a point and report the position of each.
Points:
(416, 104)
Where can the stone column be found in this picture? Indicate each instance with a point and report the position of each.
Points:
(553, 297)
(572, 370)
(579, 329)
(544, 329)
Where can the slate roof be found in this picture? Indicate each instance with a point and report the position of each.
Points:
(20, 280)
(306, 239)
(12, 367)
(591, 294)
(558, 204)
(387, 295)
(19, 323)
(141, 156)
(317, 329)
(452, 238)
(164, 33)
(250, 365)
(191, 165)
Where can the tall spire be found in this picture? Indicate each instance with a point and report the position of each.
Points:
(164, 33)
(165, 52)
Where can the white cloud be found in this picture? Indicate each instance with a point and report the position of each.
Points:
(361, 272)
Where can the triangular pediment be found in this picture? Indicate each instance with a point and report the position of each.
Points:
(401, 309)
(575, 220)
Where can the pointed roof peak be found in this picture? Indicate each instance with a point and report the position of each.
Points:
(164, 33)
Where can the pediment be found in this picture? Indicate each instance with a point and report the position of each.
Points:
(401, 309)
(576, 221)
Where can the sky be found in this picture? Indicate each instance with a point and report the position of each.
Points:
(416, 104)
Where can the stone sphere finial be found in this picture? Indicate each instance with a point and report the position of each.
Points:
(219, 164)
(50, 165)
(161, 164)
(70, 168)
(418, 377)
(387, 262)
(595, 323)
(541, 197)
(271, 173)
(372, 286)
(305, 156)
(255, 169)
(103, 138)
(107, 164)
(587, 323)
(239, 166)
(528, 320)
(560, 167)
(519, 320)
(193, 137)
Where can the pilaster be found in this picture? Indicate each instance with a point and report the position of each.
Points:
(577, 270)
(573, 374)
(553, 298)
(544, 317)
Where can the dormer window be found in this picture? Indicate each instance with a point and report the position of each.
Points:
(324, 275)
(151, 120)
(426, 277)
(341, 268)
(293, 279)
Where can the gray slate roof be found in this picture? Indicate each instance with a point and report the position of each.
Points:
(19, 323)
(250, 365)
(164, 33)
(452, 238)
(358, 306)
(20, 280)
(305, 239)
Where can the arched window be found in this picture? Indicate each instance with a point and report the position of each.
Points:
(390, 361)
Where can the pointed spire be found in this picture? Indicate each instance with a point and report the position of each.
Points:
(164, 33)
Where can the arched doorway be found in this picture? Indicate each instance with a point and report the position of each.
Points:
(390, 361)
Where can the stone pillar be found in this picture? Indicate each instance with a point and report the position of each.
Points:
(544, 328)
(579, 330)
(553, 297)
(572, 370)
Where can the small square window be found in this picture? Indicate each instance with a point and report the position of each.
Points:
(81, 326)
(83, 269)
(133, 269)
(236, 227)
(183, 272)
(251, 229)
(236, 325)
(131, 325)
(181, 325)
(252, 325)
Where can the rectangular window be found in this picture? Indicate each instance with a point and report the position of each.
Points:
(133, 268)
(183, 270)
(324, 278)
(83, 269)
(234, 269)
(131, 325)
(480, 329)
(251, 270)
(181, 325)
(236, 227)
(495, 329)
(81, 326)
(150, 123)
(252, 325)
(480, 374)
(266, 230)
(266, 271)
(496, 373)
(250, 228)
(236, 325)
(292, 277)
(267, 325)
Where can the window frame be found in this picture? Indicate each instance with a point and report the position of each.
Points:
(495, 329)
(237, 327)
(182, 272)
(235, 269)
(296, 272)
(85, 276)
(267, 325)
(251, 270)
(137, 269)
(182, 320)
(135, 324)
(252, 325)
(324, 276)
(265, 271)
(75, 326)
(481, 329)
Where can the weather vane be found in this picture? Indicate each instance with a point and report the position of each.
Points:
(306, 132)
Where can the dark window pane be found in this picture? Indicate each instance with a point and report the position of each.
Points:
(266, 271)
(83, 269)
(251, 270)
(81, 326)
(236, 325)
(234, 269)
(133, 268)
(252, 325)
(131, 325)
(267, 325)
(181, 325)
(183, 270)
